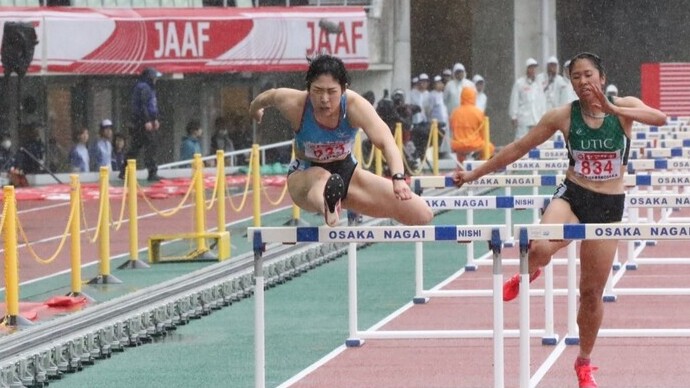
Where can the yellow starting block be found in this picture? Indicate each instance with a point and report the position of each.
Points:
(222, 243)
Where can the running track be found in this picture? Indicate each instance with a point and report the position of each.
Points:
(467, 363)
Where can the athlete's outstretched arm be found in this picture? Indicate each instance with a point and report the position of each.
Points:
(288, 101)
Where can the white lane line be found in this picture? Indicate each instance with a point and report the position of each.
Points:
(548, 363)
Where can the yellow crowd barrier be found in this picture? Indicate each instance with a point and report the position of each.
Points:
(9, 232)
(131, 192)
(102, 234)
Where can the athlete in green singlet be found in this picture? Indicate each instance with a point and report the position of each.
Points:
(597, 130)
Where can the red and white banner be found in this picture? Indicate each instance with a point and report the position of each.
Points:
(191, 40)
(666, 86)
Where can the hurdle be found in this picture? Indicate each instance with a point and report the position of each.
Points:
(470, 203)
(488, 181)
(493, 234)
(510, 181)
(582, 232)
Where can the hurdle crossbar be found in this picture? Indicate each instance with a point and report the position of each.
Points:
(630, 180)
(369, 234)
(638, 231)
(563, 164)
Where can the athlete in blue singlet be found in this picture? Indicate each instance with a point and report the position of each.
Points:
(597, 131)
(324, 175)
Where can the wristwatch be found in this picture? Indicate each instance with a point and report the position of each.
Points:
(398, 177)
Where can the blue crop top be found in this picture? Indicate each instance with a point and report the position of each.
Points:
(320, 144)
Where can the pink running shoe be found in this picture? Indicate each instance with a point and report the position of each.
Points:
(584, 375)
(332, 196)
(511, 288)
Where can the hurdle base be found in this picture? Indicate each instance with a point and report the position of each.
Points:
(82, 294)
(220, 240)
(572, 340)
(610, 298)
(16, 321)
(650, 243)
(354, 342)
(471, 267)
(133, 264)
(420, 300)
(206, 256)
(105, 279)
(551, 341)
(616, 266)
(631, 266)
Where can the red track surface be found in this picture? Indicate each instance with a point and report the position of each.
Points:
(464, 363)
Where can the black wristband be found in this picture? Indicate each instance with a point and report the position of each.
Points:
(398, 177)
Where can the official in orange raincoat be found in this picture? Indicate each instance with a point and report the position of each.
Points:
(467, 126)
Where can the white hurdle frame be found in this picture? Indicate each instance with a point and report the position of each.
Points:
(494, 234)
(582, 232)
(650, 179)
(484, 202)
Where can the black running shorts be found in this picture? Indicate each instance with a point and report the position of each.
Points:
(591, 207)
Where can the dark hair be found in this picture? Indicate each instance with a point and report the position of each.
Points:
(192, 126)
(119, 135)
(220, 123)
(369, 96)
(327, 64)
(593, 58)
(77, 133)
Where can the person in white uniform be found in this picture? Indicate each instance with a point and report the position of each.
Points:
(527, 101)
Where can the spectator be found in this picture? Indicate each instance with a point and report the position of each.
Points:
(386, 110)
(467, 123)
(527, 101)
(570, 94)
(437, 111)
(370, 96)
(452, 90)
(611, 91)
(103, 147)
(56, 156)
(419, 96)
(6, 155)
(144, 122)
(221, 141)
(79, 154)
(405, 113)
(191, 143)
(446, 75)
(118, 157)
(9, 169)
(479, 83)
(554, 85)
(31, 155)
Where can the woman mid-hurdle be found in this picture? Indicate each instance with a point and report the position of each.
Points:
(325, 118)
(597, 130)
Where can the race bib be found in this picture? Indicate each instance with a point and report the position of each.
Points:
(327, 152)
(598, 166)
